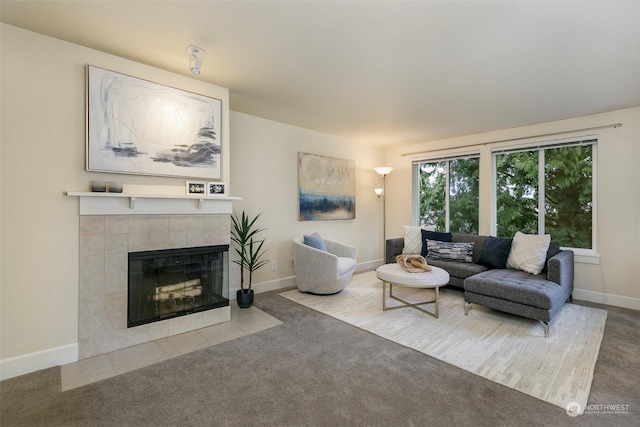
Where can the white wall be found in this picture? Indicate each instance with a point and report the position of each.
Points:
(615, 279)
(42, 156)
(264, 173)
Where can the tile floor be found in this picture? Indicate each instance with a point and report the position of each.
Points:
(87, 371)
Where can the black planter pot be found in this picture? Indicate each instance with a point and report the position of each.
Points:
(244, 299)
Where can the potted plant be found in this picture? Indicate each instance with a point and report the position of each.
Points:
(250, 252)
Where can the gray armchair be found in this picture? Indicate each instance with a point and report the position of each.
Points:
(321, 272)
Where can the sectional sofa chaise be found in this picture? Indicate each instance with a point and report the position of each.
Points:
(488, 282)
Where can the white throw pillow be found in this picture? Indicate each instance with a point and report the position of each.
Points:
(412, 240)
(528, 252)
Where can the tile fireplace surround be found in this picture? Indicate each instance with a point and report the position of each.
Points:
(105, 241)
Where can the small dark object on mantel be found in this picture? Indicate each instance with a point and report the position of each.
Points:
(98, 186)
(115, 187)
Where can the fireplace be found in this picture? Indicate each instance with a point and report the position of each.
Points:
(168, 283)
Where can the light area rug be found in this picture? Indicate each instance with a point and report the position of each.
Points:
(509, 350)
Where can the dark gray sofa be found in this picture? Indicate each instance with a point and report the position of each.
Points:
(537, 297)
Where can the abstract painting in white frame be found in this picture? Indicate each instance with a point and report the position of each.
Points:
(135, 126)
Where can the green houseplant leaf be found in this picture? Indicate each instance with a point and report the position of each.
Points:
(248, 248)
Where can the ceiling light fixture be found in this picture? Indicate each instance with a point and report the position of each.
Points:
(195, 61)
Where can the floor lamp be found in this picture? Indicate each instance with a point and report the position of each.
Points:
(380, 192)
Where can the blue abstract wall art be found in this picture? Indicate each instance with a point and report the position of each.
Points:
(326, 188)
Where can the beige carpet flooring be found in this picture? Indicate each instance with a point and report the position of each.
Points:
(506, 349)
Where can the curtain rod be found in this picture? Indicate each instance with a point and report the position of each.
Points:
(615, 125)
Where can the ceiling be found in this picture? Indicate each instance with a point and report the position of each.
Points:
(379, 72)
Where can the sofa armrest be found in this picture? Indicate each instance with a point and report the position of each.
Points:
(561, 269)
(341, 249)
(394, 248)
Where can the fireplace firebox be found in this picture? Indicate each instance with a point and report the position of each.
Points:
(173, 282)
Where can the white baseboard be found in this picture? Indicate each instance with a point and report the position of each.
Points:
(27, 363)
(271, 285)
(369, 265)
(608, 299)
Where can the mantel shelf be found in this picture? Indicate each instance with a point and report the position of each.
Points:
(95, 203)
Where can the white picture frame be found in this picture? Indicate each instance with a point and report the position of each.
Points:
(216, 189)
(135, 126)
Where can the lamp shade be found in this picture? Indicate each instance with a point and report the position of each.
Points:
(383, 170)
(378, 191)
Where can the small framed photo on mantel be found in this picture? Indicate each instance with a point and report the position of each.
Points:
(216, 189)
(196, 188)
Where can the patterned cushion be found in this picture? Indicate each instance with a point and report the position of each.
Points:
(528, 252)
(450, 251)
(412, 240)
(433, 235)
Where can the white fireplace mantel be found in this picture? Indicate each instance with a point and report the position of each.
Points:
(93, 203)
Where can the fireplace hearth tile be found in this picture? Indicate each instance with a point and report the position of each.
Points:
(116, 224)
(159, 224)
(139, 224)
(195, 238)
(115, 262)
(90, 326)
(138, 242)
(251, 320)
(158, 241)
(177, 239)
(136, 357)
(178, 223)
(116, 243)
(115, 282)
(222, 332)
(195, 223)
(86, 371)
(89, 347)
(91, 285)
(90, 225)
(178, 345)
(91, 265)
(91, 305)
(92, 245)
(97, 366)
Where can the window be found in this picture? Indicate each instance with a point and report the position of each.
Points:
(555, 180)
(448, 194)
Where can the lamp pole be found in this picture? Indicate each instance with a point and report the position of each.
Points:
(384, 171)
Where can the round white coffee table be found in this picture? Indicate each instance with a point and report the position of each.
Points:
(393, 274)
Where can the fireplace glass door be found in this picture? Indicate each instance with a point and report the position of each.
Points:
(174, 282)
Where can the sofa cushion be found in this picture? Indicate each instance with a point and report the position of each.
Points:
(478, 243)
(433, 235)
(345, 265)
(450, 251)
(554, 249)
(528, 252)
(457, 269)
(412, 240)
(517, 286)
(495, 253)
(315, 241)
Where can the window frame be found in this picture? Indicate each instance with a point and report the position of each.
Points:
(415, 212)
(540, 147)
